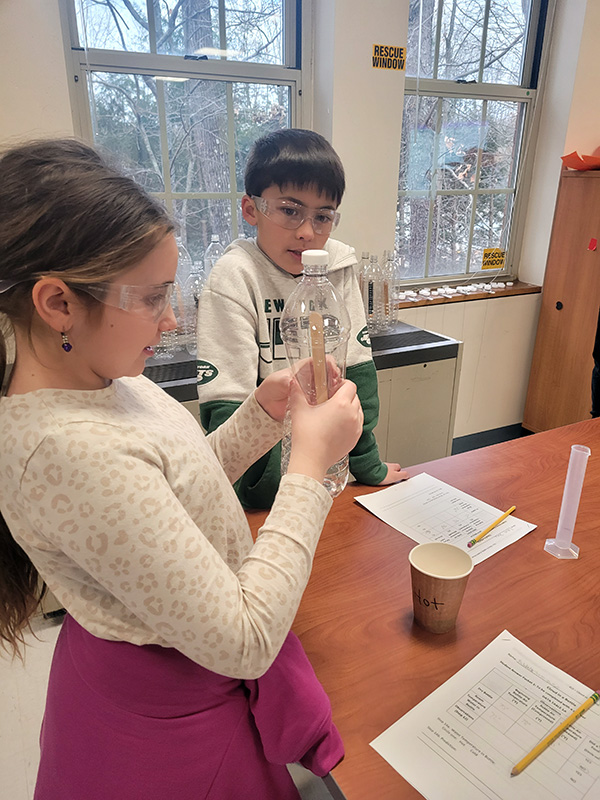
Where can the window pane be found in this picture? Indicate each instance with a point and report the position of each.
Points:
(259, 108)
(187, 28)
(459, 143)
(196, 112)
(114, 26)
(451, 224)
(199, 220)
(501, 144)
(506, 39)
(460, 41)
(420, 49)
(125, 122)
(463, 31)
(416, 149)
(492, 225)
(197, 125)
(470, 131)
(470, 146)
(412, 219)
(253, 30)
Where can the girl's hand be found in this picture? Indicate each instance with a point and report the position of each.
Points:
(273, 393)
(325, 433)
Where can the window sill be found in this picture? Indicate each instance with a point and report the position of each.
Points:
(519, 287)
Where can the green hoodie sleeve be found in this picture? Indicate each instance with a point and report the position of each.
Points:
(258, 485)
(365, 464)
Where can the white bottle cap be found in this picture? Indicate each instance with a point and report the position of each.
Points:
(316, 258)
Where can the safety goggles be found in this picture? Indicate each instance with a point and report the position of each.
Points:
(149, 302)
(291, 215)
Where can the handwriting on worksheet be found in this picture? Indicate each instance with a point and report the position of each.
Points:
(428, 510)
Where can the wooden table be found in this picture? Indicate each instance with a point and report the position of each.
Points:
(355, 620)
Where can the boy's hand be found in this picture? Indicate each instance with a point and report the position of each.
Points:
(272, 395)
(395, 473)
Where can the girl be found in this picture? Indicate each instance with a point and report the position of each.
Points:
(175, 673)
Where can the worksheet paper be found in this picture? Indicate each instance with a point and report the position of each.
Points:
(428, 510)
(462, 741)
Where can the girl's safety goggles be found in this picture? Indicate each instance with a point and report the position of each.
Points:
(149, 302)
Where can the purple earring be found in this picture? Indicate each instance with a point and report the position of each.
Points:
(66, 344)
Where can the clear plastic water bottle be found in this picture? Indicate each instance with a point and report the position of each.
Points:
(184, 262)
(373, 295)
(177, 337)
(213, 253)
(362, 268)
(172, 341)
(388, 275)
(191, 293)
(315, 328)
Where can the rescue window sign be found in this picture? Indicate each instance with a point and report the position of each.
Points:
(387, 56)
(493, 258)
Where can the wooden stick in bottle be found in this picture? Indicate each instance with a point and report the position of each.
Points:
(317, 346)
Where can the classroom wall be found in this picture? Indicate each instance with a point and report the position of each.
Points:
(583, 132)
(34, 96)
(360, 109)
(556, 109)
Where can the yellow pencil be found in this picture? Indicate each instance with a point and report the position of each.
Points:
(539, 748)
(490, 527)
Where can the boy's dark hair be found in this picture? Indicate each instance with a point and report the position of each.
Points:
(296, 157)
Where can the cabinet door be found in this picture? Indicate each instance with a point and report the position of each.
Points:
(559, 385)
(417, 411)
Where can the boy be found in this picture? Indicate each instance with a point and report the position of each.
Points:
(294, 182)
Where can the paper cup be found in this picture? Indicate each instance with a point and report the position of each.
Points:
(439, 574)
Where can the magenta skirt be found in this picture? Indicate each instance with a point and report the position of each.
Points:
(124, 722)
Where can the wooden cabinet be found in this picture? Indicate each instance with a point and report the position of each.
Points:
(559, 391)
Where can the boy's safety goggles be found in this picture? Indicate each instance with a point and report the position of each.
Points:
(291, 215)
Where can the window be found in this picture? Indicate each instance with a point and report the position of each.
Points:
(180, 91)
(472, 69)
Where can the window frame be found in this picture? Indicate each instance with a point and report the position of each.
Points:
(527, 93)
(81, 63)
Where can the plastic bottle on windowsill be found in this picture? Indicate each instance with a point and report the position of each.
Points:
(373, 296)
(213, 253)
